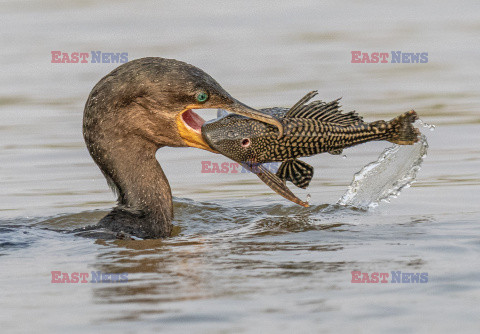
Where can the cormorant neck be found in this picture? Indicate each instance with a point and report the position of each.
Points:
(144, 196)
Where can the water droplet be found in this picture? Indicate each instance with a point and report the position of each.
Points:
(431, 127)
(308, 198)
(344, 157)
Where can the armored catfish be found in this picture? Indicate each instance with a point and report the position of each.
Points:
(309, 129)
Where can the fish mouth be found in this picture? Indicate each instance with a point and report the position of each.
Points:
(189, 126)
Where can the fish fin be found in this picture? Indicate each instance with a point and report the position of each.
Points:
(275, 183)
(336, 152)
(301, 103)
(321, 111)
(400, 130)
(296, 171)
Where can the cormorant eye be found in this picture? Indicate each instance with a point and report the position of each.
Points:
(202, 97)
(245, 142)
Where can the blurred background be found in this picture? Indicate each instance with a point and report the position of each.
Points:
(216, 276)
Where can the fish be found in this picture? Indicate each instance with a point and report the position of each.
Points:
(310, 128)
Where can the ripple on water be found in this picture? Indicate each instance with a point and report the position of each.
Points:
(15, 236)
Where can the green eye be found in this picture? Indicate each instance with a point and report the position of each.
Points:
(202, 97)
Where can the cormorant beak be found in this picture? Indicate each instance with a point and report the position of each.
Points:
(242, 109)
(189, 124)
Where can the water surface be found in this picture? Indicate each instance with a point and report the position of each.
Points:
(244, 259)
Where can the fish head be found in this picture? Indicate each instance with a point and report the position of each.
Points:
(236, 137)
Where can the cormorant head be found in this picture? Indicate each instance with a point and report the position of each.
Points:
(154, 98)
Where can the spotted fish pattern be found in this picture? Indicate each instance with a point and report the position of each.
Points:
(309, 128)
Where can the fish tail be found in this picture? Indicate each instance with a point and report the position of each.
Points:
(400, 130)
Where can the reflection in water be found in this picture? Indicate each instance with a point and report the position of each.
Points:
(256, 262)
(208, 262)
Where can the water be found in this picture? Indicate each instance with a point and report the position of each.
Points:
(381, 180)
(244, 259)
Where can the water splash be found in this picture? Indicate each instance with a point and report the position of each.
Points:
(431, 127)
(395, 169)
